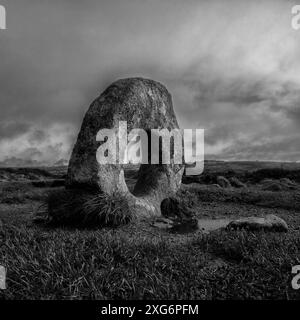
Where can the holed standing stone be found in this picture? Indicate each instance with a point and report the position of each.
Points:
(144, 104)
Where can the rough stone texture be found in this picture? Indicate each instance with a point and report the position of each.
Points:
(144, 104)
(269, 223)
(182, 217)
(223, 182)
(172, 208)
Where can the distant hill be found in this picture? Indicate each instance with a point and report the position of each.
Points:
(61, 163)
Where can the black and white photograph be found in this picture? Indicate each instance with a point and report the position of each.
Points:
(149, 151)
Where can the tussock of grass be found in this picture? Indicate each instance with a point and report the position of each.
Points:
(82, 209)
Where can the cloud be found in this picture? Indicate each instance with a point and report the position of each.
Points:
(285, 149)
(12, 129)
(232, 67)
(41, 145)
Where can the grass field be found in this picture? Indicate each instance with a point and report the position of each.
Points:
(138, 261)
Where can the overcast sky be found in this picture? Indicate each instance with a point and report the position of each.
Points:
(232, 67)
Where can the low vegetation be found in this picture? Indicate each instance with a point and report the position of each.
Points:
(138, 261)
(132, 264)
(252, 177)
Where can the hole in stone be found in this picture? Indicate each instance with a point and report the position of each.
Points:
(134, 156)
(142, 179)
(131, 175)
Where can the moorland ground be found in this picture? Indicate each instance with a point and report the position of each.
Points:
(139, 261)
